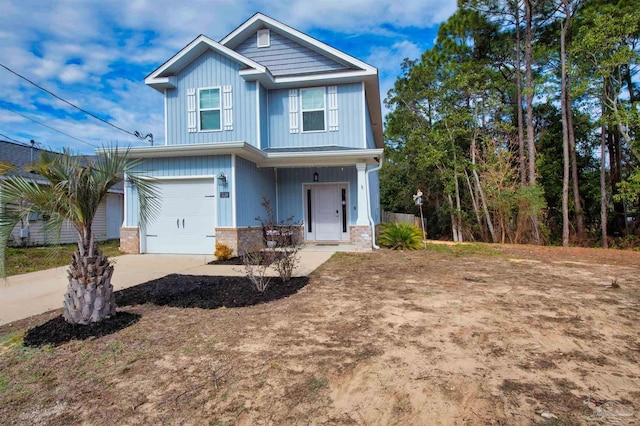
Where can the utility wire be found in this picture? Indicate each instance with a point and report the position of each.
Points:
(66, 101)
(12, 139)
(49, 127)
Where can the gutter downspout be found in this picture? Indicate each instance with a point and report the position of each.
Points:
(373, 225)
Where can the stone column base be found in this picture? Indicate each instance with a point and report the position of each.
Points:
(130, 240)
(360, 237)
(240, 240)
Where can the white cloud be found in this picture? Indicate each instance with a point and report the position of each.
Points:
(96, 54)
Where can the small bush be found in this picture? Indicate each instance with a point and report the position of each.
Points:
(400, 236)
(223, 252)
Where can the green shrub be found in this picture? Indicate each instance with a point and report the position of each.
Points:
(400, 236)
(223, 252)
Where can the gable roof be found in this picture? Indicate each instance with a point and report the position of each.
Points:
(259, 21)
(165, 77)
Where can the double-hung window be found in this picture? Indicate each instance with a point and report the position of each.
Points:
(313, 109)
(209, 109)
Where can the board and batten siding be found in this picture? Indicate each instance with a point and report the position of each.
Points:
(264, 117)
(374, 195)
(350, 117)
(208, 165)
(290, 196)
(251, 184)
(371, 142)
(212, 70)
(287, 57)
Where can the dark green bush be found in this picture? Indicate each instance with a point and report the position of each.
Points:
(400, 236)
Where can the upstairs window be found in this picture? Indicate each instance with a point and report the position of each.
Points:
(264, 38)
(313, 109)
(209, 109)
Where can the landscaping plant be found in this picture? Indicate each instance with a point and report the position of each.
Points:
(223, 252)
(400, 236)
(75, 187)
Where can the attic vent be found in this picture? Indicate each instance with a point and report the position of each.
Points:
(264, 38)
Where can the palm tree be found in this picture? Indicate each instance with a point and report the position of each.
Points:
(76, 187)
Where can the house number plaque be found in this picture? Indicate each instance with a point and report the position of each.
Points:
(224, 194)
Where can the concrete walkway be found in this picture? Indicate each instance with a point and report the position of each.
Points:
(22, 296)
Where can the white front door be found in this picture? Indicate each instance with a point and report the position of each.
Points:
(187, 219)
(327, 213)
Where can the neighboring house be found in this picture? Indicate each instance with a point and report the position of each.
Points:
(268, 111)
(32, 231)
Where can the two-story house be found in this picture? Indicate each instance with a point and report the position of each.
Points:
(267, 111)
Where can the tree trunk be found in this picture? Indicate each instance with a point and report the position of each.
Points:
(603, 188)
(89, 297)
(476, 209)
(528, 63)
(565, 139)
(522, 159)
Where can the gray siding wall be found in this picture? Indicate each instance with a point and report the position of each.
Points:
(251, 184)
(287, 57)
(184, 166)
(290, 197)
(350, 119)
(210, 70)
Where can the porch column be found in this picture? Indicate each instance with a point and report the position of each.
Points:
(362, 195)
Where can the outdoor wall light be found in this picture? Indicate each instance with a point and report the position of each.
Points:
(316, 177)
(222, 178)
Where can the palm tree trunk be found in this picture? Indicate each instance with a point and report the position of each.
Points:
(89, 297)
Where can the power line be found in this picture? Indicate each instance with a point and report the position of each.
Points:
(47, 126)
(66, 101)
(12, 139)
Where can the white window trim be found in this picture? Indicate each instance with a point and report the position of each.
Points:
(259, 33)
(324, 110)
(198, 109)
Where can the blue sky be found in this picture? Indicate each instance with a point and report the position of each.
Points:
(96, 54)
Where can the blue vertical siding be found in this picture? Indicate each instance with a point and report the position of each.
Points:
(251, 184)
(350, 118)
(184, 166)
(209, 70)
(287, 57)
(290, 196)
(371, 142)
(264, 117)
(374, 196)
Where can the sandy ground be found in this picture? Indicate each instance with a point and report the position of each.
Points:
(478, 335)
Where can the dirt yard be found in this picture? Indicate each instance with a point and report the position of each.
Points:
(451, 335)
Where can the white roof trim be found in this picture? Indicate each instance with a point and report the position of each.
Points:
(261, 158)
(244, 30)
(161, 78)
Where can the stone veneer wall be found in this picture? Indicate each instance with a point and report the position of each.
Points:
(360, 237)
(130, 240)
(240, 239)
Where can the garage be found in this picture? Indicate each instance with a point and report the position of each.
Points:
(187, 219)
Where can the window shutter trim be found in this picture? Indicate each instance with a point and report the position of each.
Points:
(228, 107)
(192, 122)
(293, 111)
(333, 108)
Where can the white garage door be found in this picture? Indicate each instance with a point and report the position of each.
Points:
(187, 220)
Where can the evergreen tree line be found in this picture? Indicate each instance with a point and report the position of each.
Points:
(520, 124)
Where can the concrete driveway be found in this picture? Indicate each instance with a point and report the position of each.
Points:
(22, 296)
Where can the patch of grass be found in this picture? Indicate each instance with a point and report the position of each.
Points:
(459, 250)
(4, 383)
(316, 383)
(21, 260)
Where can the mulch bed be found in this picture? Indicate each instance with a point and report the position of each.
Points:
(183, 291)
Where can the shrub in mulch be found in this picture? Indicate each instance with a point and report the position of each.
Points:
(206, 292)
(57, 331)
(183, 291)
